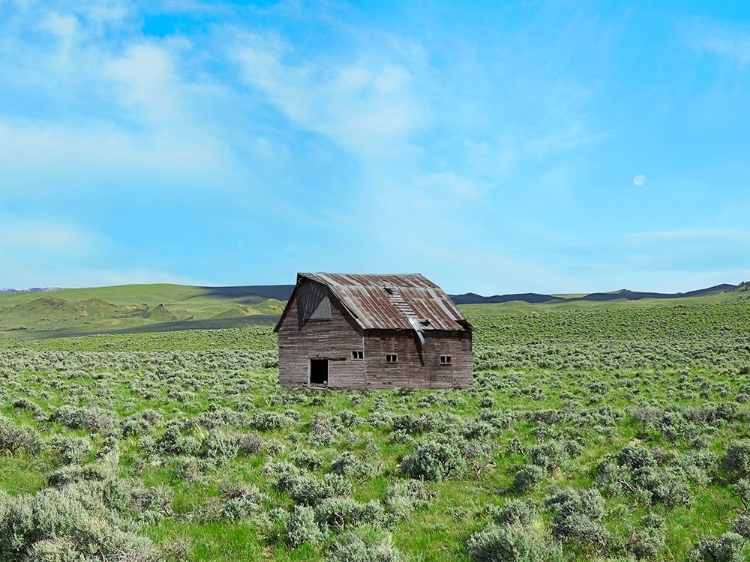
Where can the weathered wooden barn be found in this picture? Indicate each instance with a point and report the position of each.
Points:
(372, 331)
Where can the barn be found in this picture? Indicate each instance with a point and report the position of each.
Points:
(372, 331)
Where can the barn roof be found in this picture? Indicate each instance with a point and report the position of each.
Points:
(392, 302)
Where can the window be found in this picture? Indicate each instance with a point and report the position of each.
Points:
(358, 354)
(391, 358)
(446, 360)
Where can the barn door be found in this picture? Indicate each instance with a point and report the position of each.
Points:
(319, 371)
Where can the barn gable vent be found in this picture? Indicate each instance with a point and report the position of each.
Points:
(315, 303)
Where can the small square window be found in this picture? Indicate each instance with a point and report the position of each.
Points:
(358, 354)
(446, 360)
(391, 358)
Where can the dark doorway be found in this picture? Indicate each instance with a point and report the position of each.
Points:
(318, 371)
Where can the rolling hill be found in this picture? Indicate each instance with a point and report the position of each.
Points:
(623, 294)
(136, 308)
(166, 307)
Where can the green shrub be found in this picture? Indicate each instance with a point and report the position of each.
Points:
(741, 526)
(742, 490)
(647, 539)
(349, 464)
(549, 456)
(29, 406)
(730, 547)
(636, 470)
(514, 512)
(307, 458)
(737, 458)
(91, 418)
(325, 429)
(405, 496)
(513, 543)
(141, 423)
(267, 421)
(434, 460)
(306, 489)
(347, 418)
(150, 505)
(220, 446)
(409, 423)
(578, 515)
(635, 457)
(70, 523)
(364, 545)
(240, 501)
(15, 439)
(302, 527)
(186, 468)
(248, 443)
(527, 478)
(341, 513)
(172, 442)
(72, 450)
(668, 486)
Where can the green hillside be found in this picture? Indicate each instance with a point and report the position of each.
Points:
(130, 308)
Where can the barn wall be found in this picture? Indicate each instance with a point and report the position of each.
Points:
(303, 335)
(415, 368)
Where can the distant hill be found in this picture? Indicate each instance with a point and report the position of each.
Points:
(473, 298)
(637, 295)
(623, 294)
(278, 292)
(41, 313)
(31, 290)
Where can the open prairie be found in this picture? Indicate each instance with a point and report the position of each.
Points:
(613, 430)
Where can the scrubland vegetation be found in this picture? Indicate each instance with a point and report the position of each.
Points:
(613, 431)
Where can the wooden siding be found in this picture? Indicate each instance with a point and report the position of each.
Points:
(418, 366)
(303, 335)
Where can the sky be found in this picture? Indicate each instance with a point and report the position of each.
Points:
(495, 147)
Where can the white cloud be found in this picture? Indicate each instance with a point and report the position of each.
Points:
(367, 106)
(148, 84)
(65, 28)
(38, 158)
(110, 111)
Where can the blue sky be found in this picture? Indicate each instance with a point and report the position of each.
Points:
(491, 146)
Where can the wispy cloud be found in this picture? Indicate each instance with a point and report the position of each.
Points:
(41, 158)
(689, 235)
(22, 237)
(367, 105)
(726, 40)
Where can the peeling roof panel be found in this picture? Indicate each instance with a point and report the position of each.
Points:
(411, 296)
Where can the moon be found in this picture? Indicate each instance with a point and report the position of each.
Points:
(639, 180)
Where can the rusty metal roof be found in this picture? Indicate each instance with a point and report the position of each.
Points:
(393, 302)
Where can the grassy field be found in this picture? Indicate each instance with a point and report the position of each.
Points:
(593, 431)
